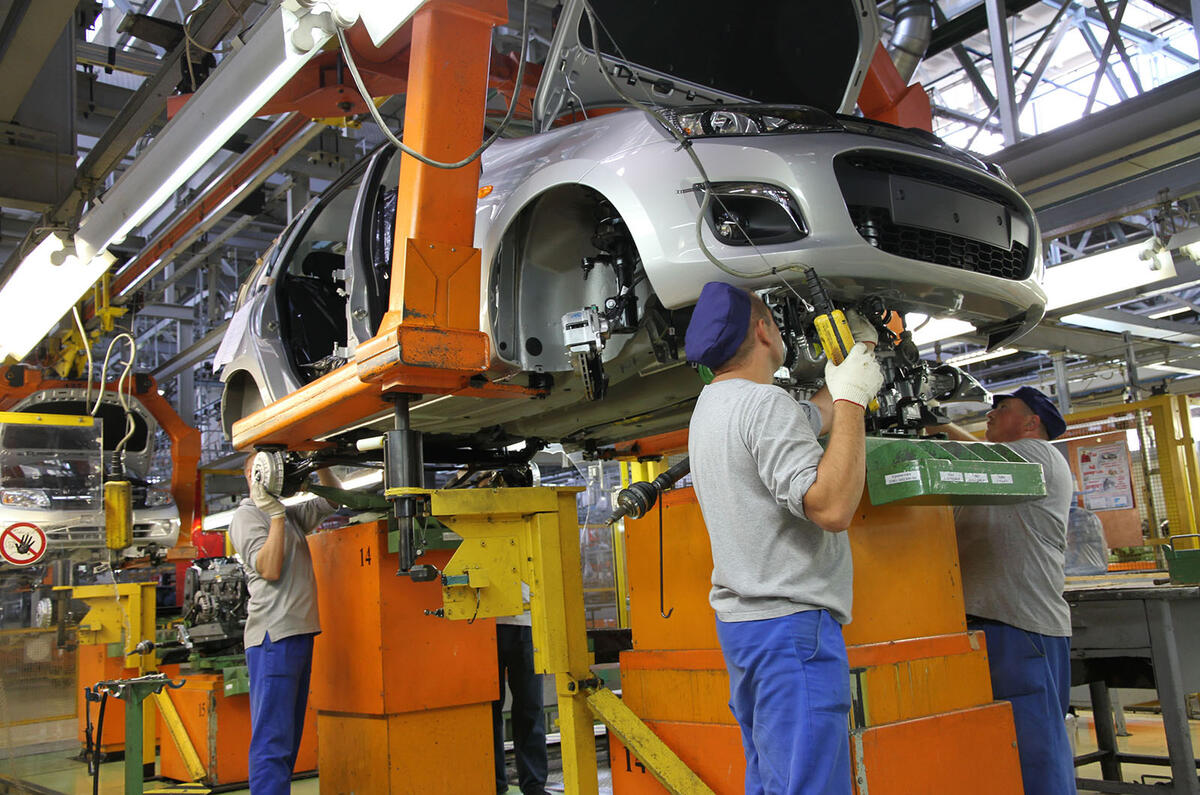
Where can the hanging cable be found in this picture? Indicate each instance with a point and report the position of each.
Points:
(374, 111)
(685, 144)
(123, 382)
(87, 349)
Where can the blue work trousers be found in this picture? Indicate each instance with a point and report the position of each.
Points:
(514, 651)
(789, 689)
(1033, 673)
(279, 674)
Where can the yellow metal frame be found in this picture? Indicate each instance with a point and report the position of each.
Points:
(542, 525)
(115, 612)
(61, 420)
(1176, 450)
(191, 760)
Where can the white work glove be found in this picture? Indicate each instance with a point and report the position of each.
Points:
(861, 328)
(857, 379)
(265, 502)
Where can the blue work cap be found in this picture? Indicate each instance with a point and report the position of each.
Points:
(1040, 405)
(719, 325)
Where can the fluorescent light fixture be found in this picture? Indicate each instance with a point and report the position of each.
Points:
(221, 520)
(935, 330)
(43, 288)
(1138, 325)
(278, 46)
(1187, 243)
(1175, 310)
(1170, 288)
(975, 357)
(1170, 368)
(1090, 279)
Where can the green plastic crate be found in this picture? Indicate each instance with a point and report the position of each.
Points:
(1183, 564)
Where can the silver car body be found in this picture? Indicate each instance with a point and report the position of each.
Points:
(533, 228)
(76, 532)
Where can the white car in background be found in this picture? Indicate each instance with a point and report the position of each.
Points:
(594, 232)
(50, 476)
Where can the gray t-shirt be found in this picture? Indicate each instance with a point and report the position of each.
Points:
(754, 454)
(1012, 555)
(287, 606)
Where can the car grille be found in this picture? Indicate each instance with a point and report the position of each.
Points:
(73, 536)
(864, 178)
(876, 227)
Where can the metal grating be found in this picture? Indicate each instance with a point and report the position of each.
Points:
(877, 228)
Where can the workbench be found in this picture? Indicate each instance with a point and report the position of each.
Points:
(1128, 631)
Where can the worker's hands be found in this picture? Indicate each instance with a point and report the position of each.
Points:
(857, 379)
(861, 328)
(265, 502)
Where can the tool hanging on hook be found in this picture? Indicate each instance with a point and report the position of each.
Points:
(635, 501)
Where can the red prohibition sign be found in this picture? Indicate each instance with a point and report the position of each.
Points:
(22, 544)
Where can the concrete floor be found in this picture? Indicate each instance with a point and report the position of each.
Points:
(55, 770)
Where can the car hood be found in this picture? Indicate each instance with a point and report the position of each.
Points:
(700, 52)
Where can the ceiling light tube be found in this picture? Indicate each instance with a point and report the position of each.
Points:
(937, 329)
(277, 47)
(1173, 369)
(41, 290)
(1175, 310)
(1187, 243)
(975, 357)
(1093, 279)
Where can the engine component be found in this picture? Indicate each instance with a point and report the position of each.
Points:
(215, 600)
(913, 388)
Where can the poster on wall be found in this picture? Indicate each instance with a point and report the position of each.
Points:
(1105, 478)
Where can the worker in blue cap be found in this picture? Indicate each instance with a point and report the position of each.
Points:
(1012, 572)
(776, 505)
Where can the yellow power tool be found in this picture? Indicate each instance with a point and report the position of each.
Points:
(831, 325)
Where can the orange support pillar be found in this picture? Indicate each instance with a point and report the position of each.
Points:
(429, 341)
(923, 718)
(401, 698)
(432, 324)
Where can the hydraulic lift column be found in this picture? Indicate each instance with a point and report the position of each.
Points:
(402, 698)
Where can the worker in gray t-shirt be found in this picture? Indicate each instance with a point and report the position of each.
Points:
(1012, 574)
(281, 623)
(776, 505)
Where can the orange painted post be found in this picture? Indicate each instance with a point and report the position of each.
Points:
(401, 697)
(923, 718)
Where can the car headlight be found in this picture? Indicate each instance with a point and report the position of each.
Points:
(752, 214)
(157, 528)
(24, 498)
(721, 120)
(157, 498)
